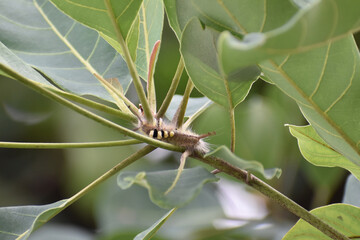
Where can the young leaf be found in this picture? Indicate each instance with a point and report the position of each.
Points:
(187, 188)
(200, 56)
(343, 218)
(151, 231)
(316, 23)
(316, 151)
(64, 50)
(252, 166)
(151, 94)
(19, 222)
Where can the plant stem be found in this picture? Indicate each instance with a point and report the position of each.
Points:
(97, 106)
(86, 113)
(274, 195)
(174, 84)
(131, 65)
(180, 112)
(231, 115)
(68, 145)
(126, 162)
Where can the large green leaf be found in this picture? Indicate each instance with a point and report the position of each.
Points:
(200, 56)
(140, 23)
(157, 183)
(315, 24)
(95, 14)
(10, 60)
(316, 151)
(342, 217)
(325, 82)
(19, 222)
(238, 17)
(151, 25)
(251, 166)
(64, 50)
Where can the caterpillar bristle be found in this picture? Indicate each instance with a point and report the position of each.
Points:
(168, 132)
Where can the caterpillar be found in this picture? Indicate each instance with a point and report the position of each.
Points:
(167, 132)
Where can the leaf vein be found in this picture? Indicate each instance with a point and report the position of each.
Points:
(322, 72)
(67, 43)
(41, 54)
(109, 66)
(209, 18)
(25, 26)
(9, 233)
(265, 16)
(221, 3)
(94, 48)
(284, 61)
(146, 35)
(70, 29)
(84, 6)
(126, 8)
(347, 87)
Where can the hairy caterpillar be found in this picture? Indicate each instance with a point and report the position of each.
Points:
(167, 132)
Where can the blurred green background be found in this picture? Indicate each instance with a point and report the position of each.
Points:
(35, 177)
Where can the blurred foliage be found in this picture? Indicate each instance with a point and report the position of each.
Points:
(44, 176)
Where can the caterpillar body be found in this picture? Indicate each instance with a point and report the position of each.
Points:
(167, 132)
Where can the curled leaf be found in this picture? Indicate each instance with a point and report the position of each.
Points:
(252, 166)
(187, 188)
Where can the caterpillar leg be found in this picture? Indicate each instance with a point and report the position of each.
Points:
(180, 169)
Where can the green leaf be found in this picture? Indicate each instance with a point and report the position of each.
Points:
(186, 189)
(343, 218)
(151, 25)
(19, 222)
(110, 212)
(95, 14)
(352, 191)
(10, 60)
(238, 17)
(140, 23)
(326, 91)
(315, 24)
(200, 57)
(316, 151)
(253, 166)
(193, 106)
(170, 7)
(151, 231)
(64, 50)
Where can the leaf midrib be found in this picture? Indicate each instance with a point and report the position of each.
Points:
(65, 41)
(146, 35)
